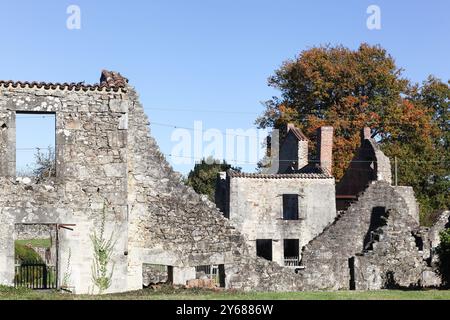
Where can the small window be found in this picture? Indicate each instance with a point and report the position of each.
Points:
(291, 252)
(264, 248)
(35, 145)
(290, 207)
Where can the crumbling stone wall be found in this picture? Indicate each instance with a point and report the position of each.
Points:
(326, 258)
(369, 164)
(442, 223)
(396, 260)
(170, 224)
(91, 169)
(107, 162)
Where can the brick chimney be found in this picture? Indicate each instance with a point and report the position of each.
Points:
(325, 148)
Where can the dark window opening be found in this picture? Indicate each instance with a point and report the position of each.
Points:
(264, 248)
(290, 207)
(35, 145)
(378, 219)
(419, 241)
(291, 252)
(351, 266)
(170, 274)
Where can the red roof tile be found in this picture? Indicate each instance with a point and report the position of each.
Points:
(109, 81)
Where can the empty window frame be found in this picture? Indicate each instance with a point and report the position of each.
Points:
(35, 144)
(264, 248)
(291, 252)
(290, 206)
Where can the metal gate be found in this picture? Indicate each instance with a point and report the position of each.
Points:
(35, 276)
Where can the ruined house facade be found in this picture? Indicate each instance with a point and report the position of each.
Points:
(362, 233)
(279, 213)
(111, 176)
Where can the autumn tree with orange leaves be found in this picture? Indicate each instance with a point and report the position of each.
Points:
(351, 89)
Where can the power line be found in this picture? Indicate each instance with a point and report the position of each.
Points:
(342, 118)
(201, 130)
(309, 161)
(202, 110)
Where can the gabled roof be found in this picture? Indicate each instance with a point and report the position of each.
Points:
(297, 132)
(109, 81)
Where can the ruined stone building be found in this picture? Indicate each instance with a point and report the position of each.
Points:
(113, 182)
(111, 177)
(365, 236)
(279, 213)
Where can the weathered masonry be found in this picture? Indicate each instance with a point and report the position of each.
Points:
(111, 182)
(111, 175)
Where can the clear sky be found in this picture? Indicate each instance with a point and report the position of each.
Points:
(206, 60)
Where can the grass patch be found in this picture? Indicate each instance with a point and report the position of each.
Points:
(169, 293)
(36, 243)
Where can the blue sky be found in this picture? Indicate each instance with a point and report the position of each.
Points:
(188, 57)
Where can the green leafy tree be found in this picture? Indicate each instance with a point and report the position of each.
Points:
(203, 177)
(351, 89)
(425, 159)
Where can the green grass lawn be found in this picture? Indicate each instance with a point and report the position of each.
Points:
(197, 294)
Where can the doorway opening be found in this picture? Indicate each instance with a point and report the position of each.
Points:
(36, 256)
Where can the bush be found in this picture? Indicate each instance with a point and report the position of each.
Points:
(25, 254)
(443, 250)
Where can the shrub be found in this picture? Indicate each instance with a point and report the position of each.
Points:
(26, 254)
(443, 250)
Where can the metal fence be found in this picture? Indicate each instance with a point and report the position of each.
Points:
(35, 276)
(291, 261)
(211, 271)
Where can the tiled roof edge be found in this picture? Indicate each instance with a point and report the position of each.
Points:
(234, 174)
(110, 81)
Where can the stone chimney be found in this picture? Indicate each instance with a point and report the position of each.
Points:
(365, 134)
(325, 148)
(301, 155)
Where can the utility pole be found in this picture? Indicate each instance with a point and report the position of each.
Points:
(396, 170)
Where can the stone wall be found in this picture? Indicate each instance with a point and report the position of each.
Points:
(256, 209)
(442, 223)
(369, 164)
(91, 165)
(108, 165)
(326, 258)
(170, 224)
(29, 232)
(396, 260)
